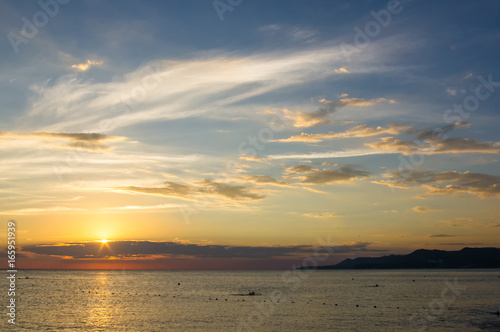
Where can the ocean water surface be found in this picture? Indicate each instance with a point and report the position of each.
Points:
(342, 300)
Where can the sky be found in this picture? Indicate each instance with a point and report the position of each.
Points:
(239, 134)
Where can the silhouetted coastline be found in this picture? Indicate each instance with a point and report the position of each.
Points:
(467, 258)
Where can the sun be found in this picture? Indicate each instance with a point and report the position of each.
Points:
(104, 241)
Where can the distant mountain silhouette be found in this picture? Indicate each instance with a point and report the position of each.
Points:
(467, 258)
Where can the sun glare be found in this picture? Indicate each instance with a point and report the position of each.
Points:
(104, 241)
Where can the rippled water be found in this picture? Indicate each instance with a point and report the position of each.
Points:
(219, 300)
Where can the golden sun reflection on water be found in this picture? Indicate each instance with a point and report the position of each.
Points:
(99, 306)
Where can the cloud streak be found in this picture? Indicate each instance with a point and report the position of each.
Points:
(265, 179)
(309, 175)
(322, 116)
(163, 249)
(423, 209)
(449, 183)
(440, 146)
(434, 141)
(83, 141)
(358, 131)
(322, 215)
(87, 65)
(204, 187)
(331, 154)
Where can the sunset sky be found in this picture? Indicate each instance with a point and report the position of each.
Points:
(244, 134)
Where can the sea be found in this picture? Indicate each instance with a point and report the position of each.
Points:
(300, 300)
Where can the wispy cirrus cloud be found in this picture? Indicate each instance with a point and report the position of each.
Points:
(66, 209)
(358, 131)
(323, 155)
(45, 210)
(146, 207)
(252, 158)
(206, 85)
(293, 33)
